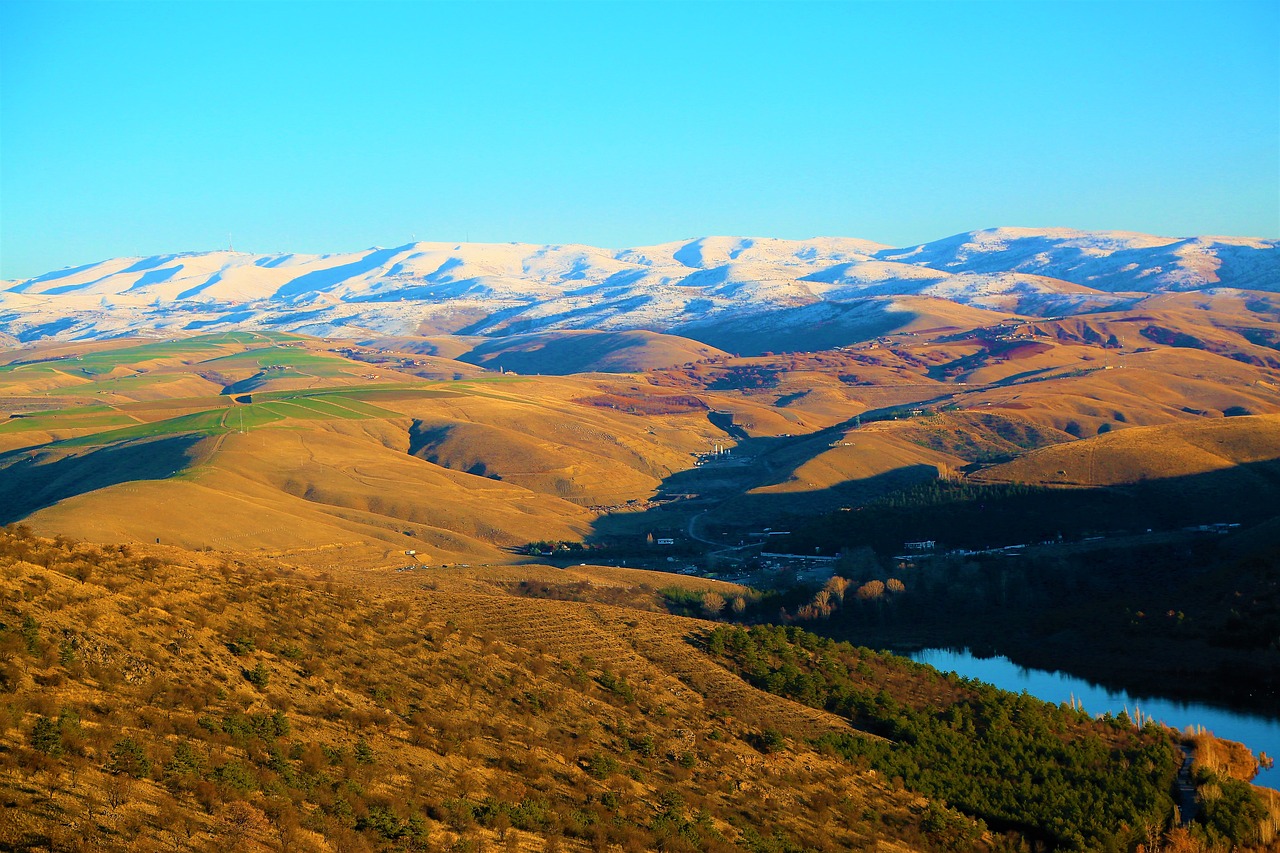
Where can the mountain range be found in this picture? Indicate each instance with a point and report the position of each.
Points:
(718, 290)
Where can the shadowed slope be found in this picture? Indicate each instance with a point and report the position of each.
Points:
(33, 480)
(587, 352)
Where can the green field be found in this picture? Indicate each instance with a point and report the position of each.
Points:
(121, 385)
(353, 404)
(203, 349)
(277, 356)
(207, 423)
(80, 417)
(53, 367)
(260, 353)
(283, 406)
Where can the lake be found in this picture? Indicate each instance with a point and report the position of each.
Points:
(1259, 733)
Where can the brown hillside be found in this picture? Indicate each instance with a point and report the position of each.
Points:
(198, 703)
(859, 455)
(292, 488)
(344, 451)
(1146, 453)
(505, 457)
(1145, 388)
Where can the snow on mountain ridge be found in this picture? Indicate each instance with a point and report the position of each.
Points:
(495, 288)
(1112, 261)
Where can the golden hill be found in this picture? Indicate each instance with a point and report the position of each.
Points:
(506, 468)
(479, 706)
(1147, 453)
(358, 451)
(201, 703)
(162, 699)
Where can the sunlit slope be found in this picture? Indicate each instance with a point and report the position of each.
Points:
(461, 689)
(182, 367)
(1148, 453)
(553, 465)
(975, 435)
(564, 437)
(272, 442)
(816, 476)
(1241, 325)
(860, 455)
(441, 346)
(282, 488)
(289, 367)
(1114, 392)
(452, 469)
(44, 427)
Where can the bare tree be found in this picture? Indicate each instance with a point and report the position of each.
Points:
(240, 822)
(871, 590)
(837, 586)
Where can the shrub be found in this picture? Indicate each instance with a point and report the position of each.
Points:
(364, 752)
(259, 676)
(601, 765)
(46, 736)
(127, 757)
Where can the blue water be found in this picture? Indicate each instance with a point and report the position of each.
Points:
(1259, 733)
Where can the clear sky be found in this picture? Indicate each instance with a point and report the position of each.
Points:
(138, 129)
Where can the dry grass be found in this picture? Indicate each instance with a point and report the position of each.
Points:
(1147, 453)
(464, 470)
(407, 705)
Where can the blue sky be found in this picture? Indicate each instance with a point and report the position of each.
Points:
(137, 129)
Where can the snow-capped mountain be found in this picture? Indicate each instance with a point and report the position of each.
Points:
(494, 289)
(1105, 260)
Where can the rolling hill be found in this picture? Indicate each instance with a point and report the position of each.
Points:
(283, 443)
(371, 447)
(1147, 453)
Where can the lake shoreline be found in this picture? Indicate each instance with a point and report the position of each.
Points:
(1259, 732)
(1186, 672)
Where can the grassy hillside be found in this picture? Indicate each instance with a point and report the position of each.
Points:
(345, 455)
(159, 699)
(1147, 453)
(289, 445)
(180, 700)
